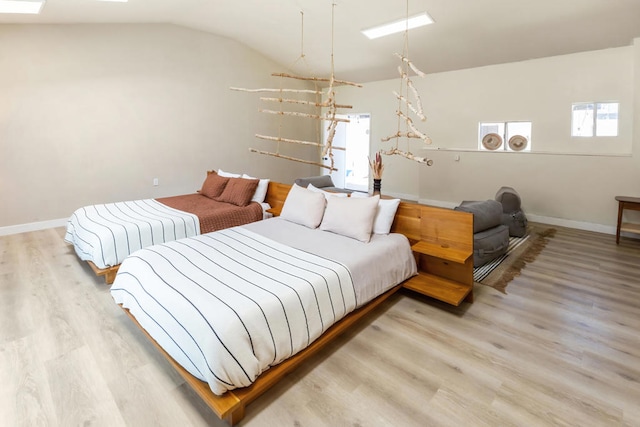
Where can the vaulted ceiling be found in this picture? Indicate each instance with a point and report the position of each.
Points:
(466, 33)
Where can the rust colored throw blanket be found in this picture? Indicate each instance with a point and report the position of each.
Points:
(214, 215)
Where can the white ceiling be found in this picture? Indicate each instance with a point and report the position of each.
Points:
(467, 33)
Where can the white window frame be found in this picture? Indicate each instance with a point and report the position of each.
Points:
(594, 132)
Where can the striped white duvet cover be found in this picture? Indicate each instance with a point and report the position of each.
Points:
(228, 305)
(107, 234)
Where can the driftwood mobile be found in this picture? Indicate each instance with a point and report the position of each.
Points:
(406, 127)
(329, 103)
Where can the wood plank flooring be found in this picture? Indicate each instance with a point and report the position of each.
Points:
(561, 348)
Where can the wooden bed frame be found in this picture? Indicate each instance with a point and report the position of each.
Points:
(276, 194)
(231, 405)
(109, 273)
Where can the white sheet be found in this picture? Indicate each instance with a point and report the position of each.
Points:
(228, 305)
(107, 234)
(375, 266)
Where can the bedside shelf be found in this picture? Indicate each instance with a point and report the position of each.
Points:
(443, 248)
(443, 251)
(439, 288)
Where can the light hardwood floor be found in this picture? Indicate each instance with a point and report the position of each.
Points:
(562, 347)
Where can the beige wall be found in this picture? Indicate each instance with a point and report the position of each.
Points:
(92, 113)
(565, 180)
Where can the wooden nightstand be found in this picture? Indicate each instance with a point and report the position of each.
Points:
(442, 273)
(443, 247)
(631, 203)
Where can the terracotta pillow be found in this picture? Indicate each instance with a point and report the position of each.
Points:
(213, 185)
(238, 191)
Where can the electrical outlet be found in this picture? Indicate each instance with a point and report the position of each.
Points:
(155, 182)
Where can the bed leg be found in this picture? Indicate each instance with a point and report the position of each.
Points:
(235, 416)
(110, 277)
(109, 273)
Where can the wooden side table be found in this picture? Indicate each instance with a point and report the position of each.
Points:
(633, 204)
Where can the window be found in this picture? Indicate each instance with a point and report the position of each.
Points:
(504, 136)
(594, 119)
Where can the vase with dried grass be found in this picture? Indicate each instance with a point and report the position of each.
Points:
(376, 168)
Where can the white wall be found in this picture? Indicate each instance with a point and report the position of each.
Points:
(92, 113)
(556, 181)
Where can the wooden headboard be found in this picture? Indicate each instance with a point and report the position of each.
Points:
(276, 195)
(435, 225)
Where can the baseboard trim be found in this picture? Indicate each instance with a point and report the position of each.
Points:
(403, 196)
(438, 203)
(580, 225)
(562, 222)
(32, 226)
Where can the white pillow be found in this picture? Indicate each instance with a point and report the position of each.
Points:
(350, 217)
(261, 190)
(303, 207)
(229, 174)
(384, 215)
(327, 194)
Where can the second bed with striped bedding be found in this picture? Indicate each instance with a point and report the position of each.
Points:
(106, 234)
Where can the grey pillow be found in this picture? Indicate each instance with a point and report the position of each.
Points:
(317, 181)
(490, 244)
(509, 198)
(486, 214)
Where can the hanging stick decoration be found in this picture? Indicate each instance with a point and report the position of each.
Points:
(410, 64)
(325, 148)
(300, 101)
(299, 114)
(318, 92)
(294, 141)
(406, 127)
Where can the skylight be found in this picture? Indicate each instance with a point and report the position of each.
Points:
(398, 26)
(13, 6)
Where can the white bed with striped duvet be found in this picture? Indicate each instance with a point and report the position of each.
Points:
(106, 234)
(228, 305)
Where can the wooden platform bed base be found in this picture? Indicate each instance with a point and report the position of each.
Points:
(109, 273)
(230, 406)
